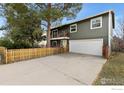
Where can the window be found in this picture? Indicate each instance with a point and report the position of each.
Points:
(96, 23)
(54, 43)
(73, 28)
(55, 33)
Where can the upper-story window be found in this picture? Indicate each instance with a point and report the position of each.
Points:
(62, 33)
(96, 23)
(73, 28)
(55, 33)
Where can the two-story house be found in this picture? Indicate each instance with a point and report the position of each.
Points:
(92, 35)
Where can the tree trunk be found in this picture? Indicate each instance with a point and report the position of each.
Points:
(48, 34)
(49, 26)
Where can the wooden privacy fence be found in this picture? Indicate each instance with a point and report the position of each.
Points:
(13, 55)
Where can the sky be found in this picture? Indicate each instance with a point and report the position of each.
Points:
(90, 9)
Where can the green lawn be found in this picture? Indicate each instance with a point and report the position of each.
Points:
(112, 72)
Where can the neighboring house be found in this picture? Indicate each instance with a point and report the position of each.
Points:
(87, 36)
(43, 41)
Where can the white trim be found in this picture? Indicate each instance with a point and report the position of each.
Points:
(100, 18)
(71, 28)
(109, 31)
(98, 39)
(89, 17)
(59, 38)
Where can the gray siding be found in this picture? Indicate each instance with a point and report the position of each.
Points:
(84, 31)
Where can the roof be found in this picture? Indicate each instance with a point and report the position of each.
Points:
(109, 11)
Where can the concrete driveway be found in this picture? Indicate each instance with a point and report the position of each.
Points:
(62, 69)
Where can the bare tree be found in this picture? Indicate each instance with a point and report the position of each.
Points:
(118, 35)
(120, 28)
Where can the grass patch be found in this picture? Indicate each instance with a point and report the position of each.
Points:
(112, 72)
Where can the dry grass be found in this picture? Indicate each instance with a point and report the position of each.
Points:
(113, 71)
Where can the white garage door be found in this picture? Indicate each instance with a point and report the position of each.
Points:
(86, 46)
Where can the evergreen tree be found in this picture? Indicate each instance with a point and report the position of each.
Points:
(52, 12)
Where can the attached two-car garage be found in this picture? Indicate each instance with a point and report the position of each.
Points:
(86, 46)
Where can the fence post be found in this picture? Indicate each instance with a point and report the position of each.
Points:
(5, 54)
(29, 53)
(19, 54)
(12, 59)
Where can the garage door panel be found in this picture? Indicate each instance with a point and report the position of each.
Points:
(88, 46)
